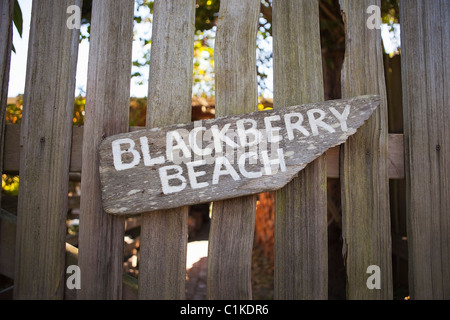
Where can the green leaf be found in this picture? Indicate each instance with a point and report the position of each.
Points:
(136, 74)
(18, 18)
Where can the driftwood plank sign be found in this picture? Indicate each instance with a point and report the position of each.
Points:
(222, 158)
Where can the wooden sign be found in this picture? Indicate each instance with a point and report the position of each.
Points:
(223, 158)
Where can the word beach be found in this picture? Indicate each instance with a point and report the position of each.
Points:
(223, 158)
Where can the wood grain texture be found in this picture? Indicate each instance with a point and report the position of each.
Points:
(107, 113)
(396, 166)
(164, 234)
(301, 257)
(46, 132)
(426, 75)
(229, 257)
(364, 161)
(131, 184)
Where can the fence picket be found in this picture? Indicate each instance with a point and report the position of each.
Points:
(44, 164)
(6, 32)
(301, 268)
(107, 113)
(7, 230)
(232, 225)
(364, 162)
(164, 234)
(425, 73)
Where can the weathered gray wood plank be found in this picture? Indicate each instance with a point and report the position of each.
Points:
(107, 113)
(229, 252)
(141, 172)
(396, 164)
(425, 74)
(364, 161)
(164, 234)
(6, 32)
(7, 231)
(46, 132)
(301, 256)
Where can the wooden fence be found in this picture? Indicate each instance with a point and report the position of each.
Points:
(46, 148)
